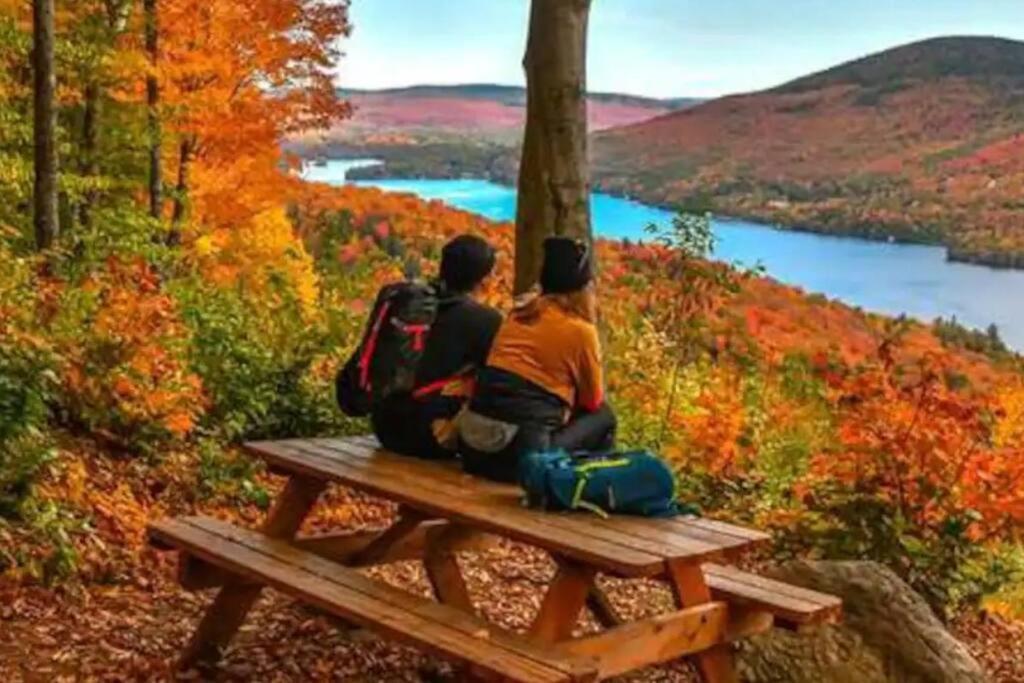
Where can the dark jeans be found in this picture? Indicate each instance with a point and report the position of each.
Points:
(406, 427)
(591, 432)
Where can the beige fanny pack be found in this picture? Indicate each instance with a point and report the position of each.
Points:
(485, 434)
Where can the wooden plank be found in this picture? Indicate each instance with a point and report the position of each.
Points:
(343, 546)
(227, 612)
(780, 587)
(790, 604)
(755, 536)
(377, 549)
(654, 641)
(196, 575)
(698, 527)
(442, 567)
(602, 608)
(715, 664)
(634, 533)
(501, 514)
(668, 538)
(563, 602)
(675, 541)
(358, 599)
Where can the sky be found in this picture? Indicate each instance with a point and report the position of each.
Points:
(658, 48)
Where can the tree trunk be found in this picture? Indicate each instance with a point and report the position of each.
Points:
(554, 186)
(90, 146)
(45, 216)
(155, 132)
(181, 192)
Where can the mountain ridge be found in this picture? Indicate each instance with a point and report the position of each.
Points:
(512, 94)
(920, 143)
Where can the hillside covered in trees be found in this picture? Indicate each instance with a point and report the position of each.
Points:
(919, 143)
(192, 293)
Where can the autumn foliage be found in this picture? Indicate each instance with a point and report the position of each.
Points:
(132, 363)
(920, 143)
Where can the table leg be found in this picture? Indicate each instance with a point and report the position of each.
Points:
(408, 520)
(687, 580)
(442, 567)
(563, 602)
(604, 611)
(234, 600)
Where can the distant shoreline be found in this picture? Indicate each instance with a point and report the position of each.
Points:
(408, 168)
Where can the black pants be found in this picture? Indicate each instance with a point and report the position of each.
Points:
(406, 427)
(592, 432)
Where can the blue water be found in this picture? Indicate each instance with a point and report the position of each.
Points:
(877, 276)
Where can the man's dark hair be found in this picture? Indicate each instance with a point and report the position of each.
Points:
(465, 262)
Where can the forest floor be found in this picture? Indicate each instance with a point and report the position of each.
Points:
(126, 619)
(134, 631)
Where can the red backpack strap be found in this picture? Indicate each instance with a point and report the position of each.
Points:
(419, 332)
(371, 346)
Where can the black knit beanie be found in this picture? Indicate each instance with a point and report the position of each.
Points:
(465, 262)
(567, 266)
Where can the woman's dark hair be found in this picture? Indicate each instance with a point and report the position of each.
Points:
(465, 262)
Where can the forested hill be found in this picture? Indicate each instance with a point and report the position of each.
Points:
(921, 143)
(474, 113)
(513, 95)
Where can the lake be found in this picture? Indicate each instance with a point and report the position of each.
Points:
(877, 276)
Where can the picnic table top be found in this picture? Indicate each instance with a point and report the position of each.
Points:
(621, 545)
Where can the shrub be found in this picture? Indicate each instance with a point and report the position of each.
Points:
(126, 377)
(266, 365)
(227, 475)
(27, 385)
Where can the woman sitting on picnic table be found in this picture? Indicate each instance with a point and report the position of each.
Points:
(542, 387)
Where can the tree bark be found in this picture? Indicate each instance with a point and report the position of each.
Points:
(554, 185)
(90, 147)
(153, 114)
(45, 216)
(181, 192)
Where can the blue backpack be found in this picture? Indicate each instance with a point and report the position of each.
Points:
(632, 483)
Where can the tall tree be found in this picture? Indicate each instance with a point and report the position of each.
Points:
(112, 19)
(152, 45)
(236, 78)
(45, 216)
(186, 150)
(554, 187)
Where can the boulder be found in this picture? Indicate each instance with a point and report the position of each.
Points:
(889, 634)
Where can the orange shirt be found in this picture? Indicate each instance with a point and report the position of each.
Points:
(556, 351)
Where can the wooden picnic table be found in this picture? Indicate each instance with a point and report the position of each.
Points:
(443, 511)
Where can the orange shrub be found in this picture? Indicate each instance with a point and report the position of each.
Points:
(124, 345)
(906, 435)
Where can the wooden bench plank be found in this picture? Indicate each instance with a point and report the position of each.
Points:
(355, 598)
(500, 514)
(792, 605)
(645, 535)
(344, 548)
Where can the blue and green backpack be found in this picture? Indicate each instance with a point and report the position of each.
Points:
(631, 483)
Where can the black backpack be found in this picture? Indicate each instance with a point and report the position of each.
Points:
(386, 360)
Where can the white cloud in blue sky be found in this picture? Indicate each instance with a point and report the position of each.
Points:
(654, 47)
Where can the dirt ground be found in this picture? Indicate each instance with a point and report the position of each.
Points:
(134, 632)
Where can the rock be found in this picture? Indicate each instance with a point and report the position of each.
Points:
(888, 635)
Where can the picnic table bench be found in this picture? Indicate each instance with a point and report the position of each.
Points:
(443, 511)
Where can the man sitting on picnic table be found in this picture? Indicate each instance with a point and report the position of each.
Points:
(543, 386)
(420, 422)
